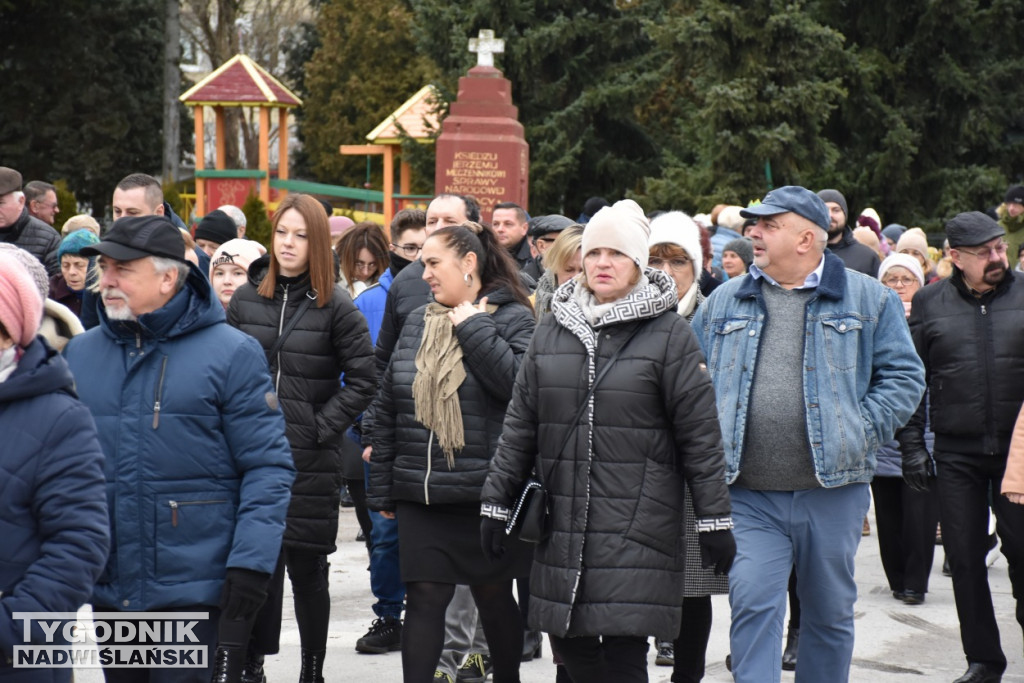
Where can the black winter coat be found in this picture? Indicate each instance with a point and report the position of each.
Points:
(325, 343)
(407, 462)
(856, 256)
(973, 354)
(35, 237)
(614, 561)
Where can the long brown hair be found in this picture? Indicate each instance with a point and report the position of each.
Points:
(366, 235)
(318, 237)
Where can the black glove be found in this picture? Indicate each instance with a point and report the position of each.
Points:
(492, 538)
(717, 549)
(917, 469)
(244, 592)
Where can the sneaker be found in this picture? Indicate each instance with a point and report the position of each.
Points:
(666, 654)
(475, 669)
(442, 677)
(993, 550)
(385, 635)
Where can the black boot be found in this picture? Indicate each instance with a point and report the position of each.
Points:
(792, 645)
(312, 667)
(532, 649)
(227, 664)
(253, 670)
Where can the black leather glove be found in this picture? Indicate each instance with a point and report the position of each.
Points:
(244, 592)
(917, 469)
(492, 538)
(717, 549)
(917, 465)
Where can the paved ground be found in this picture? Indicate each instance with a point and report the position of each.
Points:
(895, 643)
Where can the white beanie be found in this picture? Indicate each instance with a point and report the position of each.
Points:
(622, 227)
(675, 227)
(904, 261)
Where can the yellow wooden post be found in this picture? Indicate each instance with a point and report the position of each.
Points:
(200, 163)
(265, 153)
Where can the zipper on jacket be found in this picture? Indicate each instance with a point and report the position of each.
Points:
(159, 392)
(174, 505)
(280, 329)
(984, 311)
(426, 479)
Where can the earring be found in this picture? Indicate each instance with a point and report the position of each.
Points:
(468, 279)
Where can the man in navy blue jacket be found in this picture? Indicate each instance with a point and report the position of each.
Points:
(198, 469)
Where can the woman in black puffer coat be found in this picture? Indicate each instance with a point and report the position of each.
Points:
(329, 339)
(611, 572)
(438, 416)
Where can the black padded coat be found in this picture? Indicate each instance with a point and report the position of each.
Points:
(325, 343)
(614, 561)
(407, 462)
(35, 237)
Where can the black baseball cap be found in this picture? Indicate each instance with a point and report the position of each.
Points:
(137, 237)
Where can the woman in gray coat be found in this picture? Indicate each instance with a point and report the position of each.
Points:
(611, 571)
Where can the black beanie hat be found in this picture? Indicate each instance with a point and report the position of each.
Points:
(1015, 194)
(216, 227)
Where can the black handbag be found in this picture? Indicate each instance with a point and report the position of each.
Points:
(531, 513)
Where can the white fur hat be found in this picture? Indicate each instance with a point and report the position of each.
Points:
(622, 227)
(675, 227)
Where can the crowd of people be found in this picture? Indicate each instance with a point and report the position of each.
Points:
(573, 428)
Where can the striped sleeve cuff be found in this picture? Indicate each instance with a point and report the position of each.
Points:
(714, 523)
(499, 512)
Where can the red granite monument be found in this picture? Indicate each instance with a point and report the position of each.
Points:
(481, 150)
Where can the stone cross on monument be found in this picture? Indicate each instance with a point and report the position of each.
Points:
(485, 46)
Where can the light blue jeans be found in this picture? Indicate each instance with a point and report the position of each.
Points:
(818, 531)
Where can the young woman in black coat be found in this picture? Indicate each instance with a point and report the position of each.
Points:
(329, 339)
(438, 415)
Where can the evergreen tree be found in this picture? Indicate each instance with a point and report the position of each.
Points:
(578, 71)
(743, 101)
(84, 105)
(365, 67)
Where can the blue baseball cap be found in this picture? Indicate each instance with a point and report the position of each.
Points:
(793, 198)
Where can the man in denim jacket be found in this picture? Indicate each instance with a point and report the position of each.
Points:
(813, 368)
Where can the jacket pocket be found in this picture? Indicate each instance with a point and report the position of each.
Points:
(842, 340)
(728, 335)
(194, 532)
(658, 517)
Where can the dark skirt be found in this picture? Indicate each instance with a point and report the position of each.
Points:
(441, 543)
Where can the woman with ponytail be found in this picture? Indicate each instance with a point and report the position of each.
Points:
(438, 415)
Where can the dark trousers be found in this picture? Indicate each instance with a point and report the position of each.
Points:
(605, 659)
(690, 648)
(308, 574)
(905, 521)
(205, 632)
(967, 485)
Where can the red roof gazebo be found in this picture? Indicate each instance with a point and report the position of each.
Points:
(240, 82)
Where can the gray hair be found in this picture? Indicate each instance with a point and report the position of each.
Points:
(236, 214)
(163, 265)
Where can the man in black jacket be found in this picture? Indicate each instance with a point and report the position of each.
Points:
(969, 331)
(841, 241)
(20, 228)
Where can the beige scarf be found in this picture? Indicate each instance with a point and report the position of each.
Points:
(439, 374)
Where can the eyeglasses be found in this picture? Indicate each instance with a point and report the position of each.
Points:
(674, 264)
(366, 265)
(986, 252)
(408, 250)
(900, 281)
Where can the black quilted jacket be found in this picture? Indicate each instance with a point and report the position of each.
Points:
(37, 238)
(614, 562)
(407, 462)
(325, 343)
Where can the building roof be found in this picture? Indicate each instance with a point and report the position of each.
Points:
(240, 82)
(416, 117)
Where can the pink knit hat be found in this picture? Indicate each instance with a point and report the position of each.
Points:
(21, 307)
